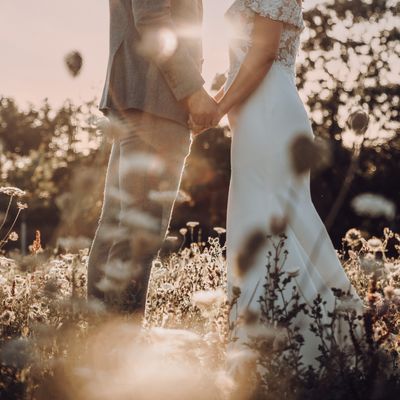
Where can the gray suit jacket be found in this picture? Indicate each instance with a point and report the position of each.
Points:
(144, 81)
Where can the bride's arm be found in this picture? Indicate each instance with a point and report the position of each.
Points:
(265, 45)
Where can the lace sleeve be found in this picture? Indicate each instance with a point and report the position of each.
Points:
(288, 11)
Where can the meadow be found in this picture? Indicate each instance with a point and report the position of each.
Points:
(57, 345)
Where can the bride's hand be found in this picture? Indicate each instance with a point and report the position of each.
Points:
(197, 129)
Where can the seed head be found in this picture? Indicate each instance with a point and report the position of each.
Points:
(74, 62)
(358, 122)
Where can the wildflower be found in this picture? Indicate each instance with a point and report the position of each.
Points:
(13, 236)
(375, 244)
(373, 205)
(236, 291)
(192, 224)
(36, 246)
(21, 206)
(358, 122)
(353, 237)
(219, 230)
(278, 225)
(183, 231)
(7, 317)
(12, 191)
(206, 299)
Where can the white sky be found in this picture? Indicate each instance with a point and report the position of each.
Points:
(36, 35)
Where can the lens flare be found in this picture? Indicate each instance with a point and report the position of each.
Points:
(159, 44)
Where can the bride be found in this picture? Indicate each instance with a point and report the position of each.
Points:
(266, 114)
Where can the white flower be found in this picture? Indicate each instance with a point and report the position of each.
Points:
(21, 206)
(183, 231)
(192, 224)
(374, 205)
(219, 230)
(12, 191)
(375, 244)
(13, 236)
(353, 237)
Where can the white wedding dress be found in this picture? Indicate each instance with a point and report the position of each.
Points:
(263, 184)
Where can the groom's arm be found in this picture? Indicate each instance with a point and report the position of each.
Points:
(179, 69)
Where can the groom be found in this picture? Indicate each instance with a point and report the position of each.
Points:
(153, 85)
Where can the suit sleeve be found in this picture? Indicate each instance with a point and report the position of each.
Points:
(180, 71)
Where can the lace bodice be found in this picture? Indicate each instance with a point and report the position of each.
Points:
(241, 16)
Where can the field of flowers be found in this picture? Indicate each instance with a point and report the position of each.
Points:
(55, 343)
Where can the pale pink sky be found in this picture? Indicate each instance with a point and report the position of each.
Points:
(36, 35)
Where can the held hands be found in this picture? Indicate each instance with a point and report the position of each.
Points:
(204, 112)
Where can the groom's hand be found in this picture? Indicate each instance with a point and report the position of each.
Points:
(202, 108)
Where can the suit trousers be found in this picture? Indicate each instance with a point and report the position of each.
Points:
(142, 181)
